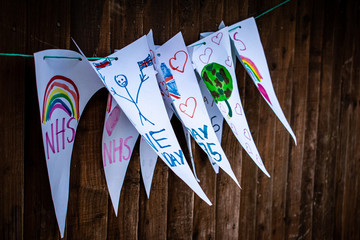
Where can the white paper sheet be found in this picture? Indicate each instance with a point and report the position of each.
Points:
(174, 65)
(213, 61)
(132, 82)
(64, 87)
(118, 141)
(246, 39)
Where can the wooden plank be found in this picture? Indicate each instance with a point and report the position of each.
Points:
(299, 107)
(48, 26)
(12, 98)
(126, 27)
(88, 203)
(153, 211)
(311, 122)
(204, 215)
(329, 113)
(271, 26)
(348, 123)
(227, 192)
(285, 44)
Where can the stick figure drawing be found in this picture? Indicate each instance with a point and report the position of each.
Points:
(122, 81)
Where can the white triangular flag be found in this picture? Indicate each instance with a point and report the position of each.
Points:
(246, 39)
(174, 65)
(64, 87)
(129, 76)
(213, 61)
(118, 141)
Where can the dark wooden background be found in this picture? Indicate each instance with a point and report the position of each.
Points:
(313, 51)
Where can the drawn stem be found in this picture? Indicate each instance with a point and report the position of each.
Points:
(228, 105)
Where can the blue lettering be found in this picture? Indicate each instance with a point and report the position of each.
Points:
(157, 140)
(181, 156)
(171, 159)
(204, 131)
(195, 134)
(214, 153)
(147, 138)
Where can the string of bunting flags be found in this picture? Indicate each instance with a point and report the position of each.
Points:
(148, 85)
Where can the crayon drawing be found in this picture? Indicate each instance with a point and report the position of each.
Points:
(60, 93)
(122, 81)
(255, 75)
(170, 81)
(219, 82)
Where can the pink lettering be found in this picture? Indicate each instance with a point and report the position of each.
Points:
(62, 132)
(48, 143)
(107, 153)
(72, 130)
(118, 149)
(127, 146)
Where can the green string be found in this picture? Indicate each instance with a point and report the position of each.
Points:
(97, 58)
(272, 9)
(15, 55)
(267, 11)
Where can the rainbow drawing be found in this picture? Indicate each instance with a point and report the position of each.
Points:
(251, 68)
(60, 93)
(255, 75)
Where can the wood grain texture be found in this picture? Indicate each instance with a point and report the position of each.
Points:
(12, 121)
(313, 53)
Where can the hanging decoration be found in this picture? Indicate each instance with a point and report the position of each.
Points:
(147, 85)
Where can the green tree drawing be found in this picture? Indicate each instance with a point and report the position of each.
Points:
(219, 82)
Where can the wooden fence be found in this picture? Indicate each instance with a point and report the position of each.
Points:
(313, 52)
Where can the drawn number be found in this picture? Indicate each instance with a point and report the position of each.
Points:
(209, 151)
(215, 126)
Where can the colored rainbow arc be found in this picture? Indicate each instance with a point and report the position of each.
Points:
(251, 68)
(55, 93)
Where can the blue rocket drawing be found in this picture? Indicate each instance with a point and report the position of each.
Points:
(170, 81)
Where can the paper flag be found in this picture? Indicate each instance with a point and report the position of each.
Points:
(64, 87)
(129, 76)
(246, 39)
(148, 159)
(213, 61)
(174, 65)
(118, 141)
(215, 116)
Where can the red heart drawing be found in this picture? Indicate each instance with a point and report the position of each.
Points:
(238, 109)
(205, 58)
(247, 134)
(217, 38)
(179, 60)
(241, 45)
(228, 61)
(248, 149)
(112, 120)
(153, 56)
(188, 107)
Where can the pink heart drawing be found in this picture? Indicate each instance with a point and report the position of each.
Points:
(241, 46)
(205, 58)
(179, 60)
(238, 109)
(228, 61)
(217, 38)
(248, 149)
(112, 120)
(188, 108)
(247, 134)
